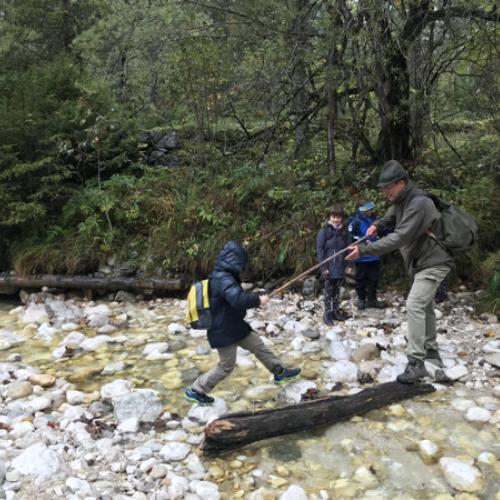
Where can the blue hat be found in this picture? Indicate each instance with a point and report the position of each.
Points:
(369, 205)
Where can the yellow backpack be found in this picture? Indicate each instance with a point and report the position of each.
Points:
(198, 306)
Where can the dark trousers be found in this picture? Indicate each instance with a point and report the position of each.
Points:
(367, 276)
(332, 294)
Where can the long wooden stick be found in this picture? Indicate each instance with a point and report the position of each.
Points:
(310, 270)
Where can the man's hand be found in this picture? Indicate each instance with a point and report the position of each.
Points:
(264, 299)
(372, 230)
(354, 253)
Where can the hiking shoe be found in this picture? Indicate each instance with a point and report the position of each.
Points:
(433, 356)
(374, 303)
(361, 304)
(286, 375)
(327, 318)
(338, 315)
(197, 397)
(414, 372)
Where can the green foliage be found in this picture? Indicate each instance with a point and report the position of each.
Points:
(80, 81)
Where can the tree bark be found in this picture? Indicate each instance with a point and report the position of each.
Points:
(13, 282)
(235, 430)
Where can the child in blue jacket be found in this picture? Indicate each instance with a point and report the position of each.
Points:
(330, 239)
(367, 268)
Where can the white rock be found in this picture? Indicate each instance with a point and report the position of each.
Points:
(492, 346)
(97, 316)
(244, 362)
(206, 414)
(178, 487)
(293, 492)
(46, 332)
(35, 313)
(194, 464)
(142, 404)
(460, 475)
(9, 339)
(105, 329)
(462, 404)
(37, 460)
(292, 393)
(73, 340)
(155, 347)
(75, 397)
(80, 486)
(39, 404)
(114, 367)
(364, 476)
(487, 457)
(175, 451)
(343, 371)
(93, 344)
(428, 449)
(496, 391)
(477, 414)
(456, 372)
(68, 327)
(205, 490)
(63, 312)
(339, 351)
(333, 333)
(116, 388)
(176, 328)
(257, 324)
(129, 425)
(21, 428)
(176, 435)
(272, 328)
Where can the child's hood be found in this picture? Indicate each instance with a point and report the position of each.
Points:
(233, 258)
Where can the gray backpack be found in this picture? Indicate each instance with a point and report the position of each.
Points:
(459, 227)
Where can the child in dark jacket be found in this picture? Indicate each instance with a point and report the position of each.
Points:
(228, 305)
(332, 238)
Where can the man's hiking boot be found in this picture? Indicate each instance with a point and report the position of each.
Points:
(433, 356)
(414, 372)
(327, 318)
(376, 304)
(361, 304)
(286, 375)
(198, 397)
(338, 315)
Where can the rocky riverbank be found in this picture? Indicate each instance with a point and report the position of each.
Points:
(92, 404)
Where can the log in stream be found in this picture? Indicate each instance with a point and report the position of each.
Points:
(235, 430)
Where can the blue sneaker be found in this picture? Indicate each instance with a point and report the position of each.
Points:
(198, 397)
(286, 375)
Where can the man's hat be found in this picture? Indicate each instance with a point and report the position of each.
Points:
(391, 172)
(369, 205)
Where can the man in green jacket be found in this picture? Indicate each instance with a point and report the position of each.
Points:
(410, 218)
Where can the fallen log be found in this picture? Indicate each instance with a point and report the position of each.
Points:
(15, 282)
(235, 430)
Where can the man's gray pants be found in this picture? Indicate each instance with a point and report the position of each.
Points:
(420, 310)
(227, 361)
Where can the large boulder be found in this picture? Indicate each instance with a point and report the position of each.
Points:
(142, 404)
(38, 460)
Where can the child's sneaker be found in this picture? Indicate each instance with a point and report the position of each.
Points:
(286, 375)
(198, 397)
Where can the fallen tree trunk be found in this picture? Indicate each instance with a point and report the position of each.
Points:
(14, 282)
(235, 430)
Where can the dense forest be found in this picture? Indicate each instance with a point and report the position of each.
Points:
(149, 132)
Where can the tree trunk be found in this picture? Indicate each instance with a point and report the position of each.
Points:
(297, 47)
(13, 282)
(239, 429)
